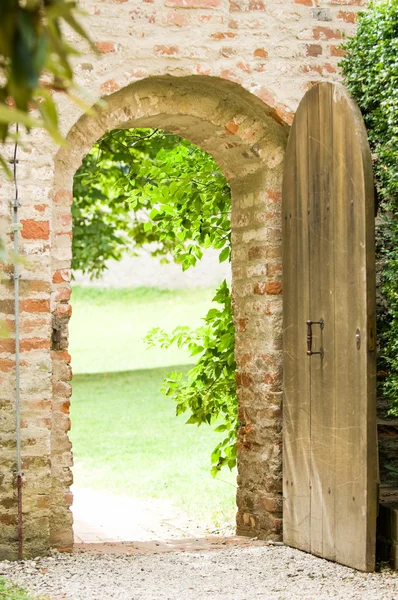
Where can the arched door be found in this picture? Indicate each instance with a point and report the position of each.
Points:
(330, 444)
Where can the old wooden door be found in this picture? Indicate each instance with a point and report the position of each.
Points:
(330, 457)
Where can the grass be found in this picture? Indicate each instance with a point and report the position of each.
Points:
(107, 326)
(126, 437)
(12, 592)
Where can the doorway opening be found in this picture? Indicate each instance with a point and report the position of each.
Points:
(151, 250)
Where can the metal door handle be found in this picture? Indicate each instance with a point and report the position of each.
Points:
(321, 324)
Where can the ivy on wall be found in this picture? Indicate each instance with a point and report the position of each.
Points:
(370, 69)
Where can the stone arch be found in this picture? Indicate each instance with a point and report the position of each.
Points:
(247, 139)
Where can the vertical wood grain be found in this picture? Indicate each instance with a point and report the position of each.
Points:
(328, 268)
(296, 451)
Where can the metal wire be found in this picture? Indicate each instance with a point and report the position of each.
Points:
(16, 228)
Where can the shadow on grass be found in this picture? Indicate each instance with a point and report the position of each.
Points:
(157, 374)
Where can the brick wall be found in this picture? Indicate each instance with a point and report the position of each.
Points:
(227, 75)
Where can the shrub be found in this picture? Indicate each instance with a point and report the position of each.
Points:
(370, 69)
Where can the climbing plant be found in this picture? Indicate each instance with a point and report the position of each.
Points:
(370, 69)
(148, 188)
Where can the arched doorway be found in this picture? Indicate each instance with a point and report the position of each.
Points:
(247, 140)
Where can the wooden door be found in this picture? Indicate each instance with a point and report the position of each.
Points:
(329, 411)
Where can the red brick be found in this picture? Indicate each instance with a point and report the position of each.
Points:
(30, 324)
(7, 345)
(321, 69)
(313, 50)
(34, 344)
(222, 35)
(246, 5)
(232, 127)
(138, 73)
(106, 47)
(242, 324)
(62, 355)
(260, 53)
(64, 220)
(272, 505)
(177, 18)
(166, 50)
(274, 269)
(349, 2)
(61, 276)
(38, 405)
(230, 75)
(227, 51)
(336, 51)
(35, 230)
(200, 70)
(63, 294)
(347, 16)
(33, 306)
(69, 496)
(274, 195)
(63, 310)
(243, 67)
(277, 526)
(268, 287)
(326, 33)
(65, 408)
(8, 519)
(110, 86)
(63, 197)
(192, 3)
(44, 501)
(6, 365)
(62, 389)
(7, 306)
(43, 422)
(256, 5)
(270, 379)
(258, 252)
(244, 379)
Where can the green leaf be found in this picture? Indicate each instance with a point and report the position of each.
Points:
(13, 115)
(224, 254)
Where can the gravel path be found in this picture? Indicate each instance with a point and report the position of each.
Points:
(269, 573)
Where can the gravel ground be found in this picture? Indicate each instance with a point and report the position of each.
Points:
(277, 573)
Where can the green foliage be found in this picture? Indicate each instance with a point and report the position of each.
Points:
(209, 392)
(147, 188)
(12, 592)
(35, 60)
(144, 187)
(370, 68)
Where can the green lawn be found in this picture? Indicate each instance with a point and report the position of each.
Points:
(107, 326)
(126, 437)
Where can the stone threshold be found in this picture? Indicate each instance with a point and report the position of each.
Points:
(172, 545)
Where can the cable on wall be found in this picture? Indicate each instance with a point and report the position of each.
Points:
(16, 227)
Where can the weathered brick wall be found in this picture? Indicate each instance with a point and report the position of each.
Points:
(228, 75)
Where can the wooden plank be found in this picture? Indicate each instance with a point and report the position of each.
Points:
(356, 448)
(322, 299)
(328, 268)
(296, 414)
